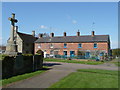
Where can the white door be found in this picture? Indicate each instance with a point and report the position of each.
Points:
(45, 54)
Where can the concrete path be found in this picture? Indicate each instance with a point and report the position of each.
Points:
(58, 71)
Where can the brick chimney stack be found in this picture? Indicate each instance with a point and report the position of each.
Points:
(33, 33)
(16, 28)
(78, 33)
(40, 35)
(64, 34)
(93, 33)
(52, 35)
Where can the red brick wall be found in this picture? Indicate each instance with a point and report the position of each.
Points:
(72, 47)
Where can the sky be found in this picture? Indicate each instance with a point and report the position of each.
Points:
(59, 17)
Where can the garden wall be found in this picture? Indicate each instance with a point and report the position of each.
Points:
(20, 64)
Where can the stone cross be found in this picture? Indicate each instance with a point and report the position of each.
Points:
(13, 21)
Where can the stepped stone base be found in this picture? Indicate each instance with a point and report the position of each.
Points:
(11, 53)
(11, 49)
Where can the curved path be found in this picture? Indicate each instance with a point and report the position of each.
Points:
(58, 71)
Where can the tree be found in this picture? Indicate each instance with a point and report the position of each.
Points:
(116, 52)
(80, 53)
(40, 52)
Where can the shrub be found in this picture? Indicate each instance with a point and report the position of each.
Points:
(39, 52)
(80, 53)
(27, 54)
(7, 66)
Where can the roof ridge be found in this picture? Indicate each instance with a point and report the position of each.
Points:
(25, 34)
(79, 36)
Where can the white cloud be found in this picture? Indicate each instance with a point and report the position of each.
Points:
(43, 27)
(71, 19)
(74, 21)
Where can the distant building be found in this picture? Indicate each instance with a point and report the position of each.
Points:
(2, 49)
(70, 45)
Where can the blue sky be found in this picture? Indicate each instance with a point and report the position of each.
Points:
(63, 17)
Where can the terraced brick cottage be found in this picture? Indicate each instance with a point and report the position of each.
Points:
(70, 45)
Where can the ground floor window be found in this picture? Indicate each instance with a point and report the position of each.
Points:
(72, 53)
(87, 55)
(65, 53)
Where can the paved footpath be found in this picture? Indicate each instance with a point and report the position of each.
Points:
(58, 71)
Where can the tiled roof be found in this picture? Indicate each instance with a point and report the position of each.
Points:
(85, 38)
(27, 37)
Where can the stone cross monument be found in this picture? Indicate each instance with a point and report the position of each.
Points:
(11, 48)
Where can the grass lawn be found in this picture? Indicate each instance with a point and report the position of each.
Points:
(74, 61)
(116, 62)
(21, 77)
(0, 56)
(89, 78)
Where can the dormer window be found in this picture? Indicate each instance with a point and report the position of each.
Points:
(95, 45)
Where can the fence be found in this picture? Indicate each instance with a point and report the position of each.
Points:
(20, 64)
(97, 58)
(74, 57)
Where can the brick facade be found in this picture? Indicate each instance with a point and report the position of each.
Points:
(101, 46)
(89, 44)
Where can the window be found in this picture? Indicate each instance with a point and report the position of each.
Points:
(51, 45)
(65, 45)
(79, 45)
(95, 45)
(39, 46)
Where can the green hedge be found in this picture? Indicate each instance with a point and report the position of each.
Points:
(20, 64)
(38, 61)
(28, 63)
(7, 66)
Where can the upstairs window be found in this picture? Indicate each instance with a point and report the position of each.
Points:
(39, 46)
(51, 45)
(79, 45)
(95, 45)
(65, 45)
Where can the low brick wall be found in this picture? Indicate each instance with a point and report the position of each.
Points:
(20, 64)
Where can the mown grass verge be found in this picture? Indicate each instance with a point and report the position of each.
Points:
(89, 78)
(22, 77)
(74, 61)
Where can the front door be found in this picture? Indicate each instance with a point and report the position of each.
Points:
(87, 54)
(65, 53)
(72, 53)
(45, 54)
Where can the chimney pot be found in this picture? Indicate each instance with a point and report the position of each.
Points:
(33, 33)
(40, 35)
(78, 33)
(52, 34)
(93, 33)
(65, 34)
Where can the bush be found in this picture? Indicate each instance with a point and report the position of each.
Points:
(7, 66)
(28, 63)
(20, 64)
(27, 54)
(39, 52)
(80, 53)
